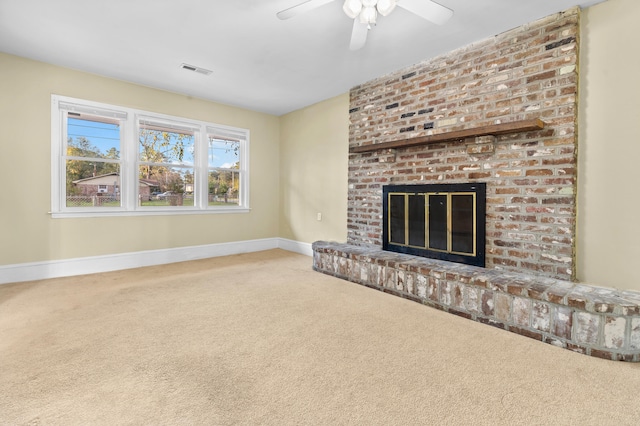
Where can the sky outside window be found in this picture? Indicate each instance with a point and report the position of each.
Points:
(103, 136)
(223, 153)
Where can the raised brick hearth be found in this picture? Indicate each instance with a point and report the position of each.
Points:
(591, 320)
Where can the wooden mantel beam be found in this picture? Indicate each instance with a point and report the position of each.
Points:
(458, 135)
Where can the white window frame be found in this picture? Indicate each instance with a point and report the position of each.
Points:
(129, 161)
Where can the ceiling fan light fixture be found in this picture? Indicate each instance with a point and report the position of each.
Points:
(352, 8)
(385, 7)
(366, 12)
(368, 15)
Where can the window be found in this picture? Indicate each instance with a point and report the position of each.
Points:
(223, 167)
(109, 160)
(166, 162)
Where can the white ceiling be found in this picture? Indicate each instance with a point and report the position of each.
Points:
(258, 61)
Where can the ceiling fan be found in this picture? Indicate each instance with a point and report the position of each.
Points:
(366, 12)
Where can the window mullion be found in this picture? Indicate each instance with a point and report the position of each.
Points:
(129, 175)
(244, 172)
(200, 169)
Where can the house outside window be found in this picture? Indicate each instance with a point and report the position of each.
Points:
(111, 160)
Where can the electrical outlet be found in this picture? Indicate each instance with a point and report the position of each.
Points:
(319, 216)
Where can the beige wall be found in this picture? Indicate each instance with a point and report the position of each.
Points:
(29, 234)
(608, 240)
(313, 171)
(299, 163)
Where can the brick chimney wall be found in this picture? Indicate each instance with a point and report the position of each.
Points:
(529, 72)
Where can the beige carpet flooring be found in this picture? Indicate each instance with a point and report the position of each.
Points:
(261, 339)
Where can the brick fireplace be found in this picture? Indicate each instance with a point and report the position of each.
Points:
(526, 75)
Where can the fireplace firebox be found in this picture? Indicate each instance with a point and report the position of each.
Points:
(440, 221)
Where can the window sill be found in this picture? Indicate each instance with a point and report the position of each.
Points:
(158, 212)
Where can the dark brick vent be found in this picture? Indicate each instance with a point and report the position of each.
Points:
(591, 320)
(568, 40)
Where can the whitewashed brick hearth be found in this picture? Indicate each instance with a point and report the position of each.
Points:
(591, 320)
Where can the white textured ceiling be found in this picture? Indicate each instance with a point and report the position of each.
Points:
(258, 61)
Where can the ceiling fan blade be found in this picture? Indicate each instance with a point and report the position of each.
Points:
(358, 35)
(427, 9)
(303, 7)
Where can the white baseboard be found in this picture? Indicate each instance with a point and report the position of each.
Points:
(295, 246)
(114, 262)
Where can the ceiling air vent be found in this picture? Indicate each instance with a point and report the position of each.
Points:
(196, 69)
